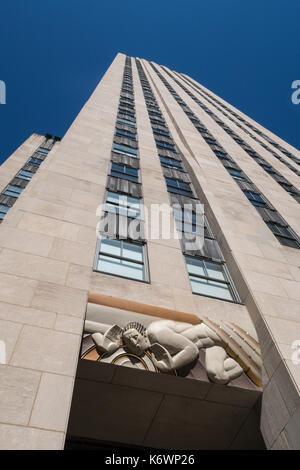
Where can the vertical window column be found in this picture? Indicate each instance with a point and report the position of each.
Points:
(206, 267)
(12, 191)
(119, 251)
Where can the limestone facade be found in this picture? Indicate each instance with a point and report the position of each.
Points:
(48, 244)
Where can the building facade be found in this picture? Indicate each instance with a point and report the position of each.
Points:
(115, 334)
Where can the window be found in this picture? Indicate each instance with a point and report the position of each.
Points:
(268, 168)
(186, 221)
(159, 132)
(236, 174)
(127, 105)
(205, 134)
(255, 199)
(125, 112)
(178, 187)
(251, 153)
(125, 121)
(164, 145)
(209, 279)
(170, 163)
(122, 258)
(42, 151)
(201, 129)
(125, 150)
(287, 187)
(153, 113)
(122, 204)
(35, 161)
(283, 234)
(157, 123)
(125, 98)
(12, 190)
(209, 140)
(3, 211)
(125, 172)
(25, 175)
(125, 133)
(221, 155)
(127, 89)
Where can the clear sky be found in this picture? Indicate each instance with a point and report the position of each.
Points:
(54, 52)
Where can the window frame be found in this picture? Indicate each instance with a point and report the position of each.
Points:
(126, 98)
(31, 162)
(126, 208)
(25, 178)
(12, 191)
(154, 113)
(181, 223)
(160, 132)
(183, 192)
(165, 145)
(125, 112)
(144, 263)
(125, 133)
(127, 105)
(279, 236)
(158, 123)
(210, 140)
(171, 165)
(228, 282)
(4, 212)
(268, 168)
(259, 202)
(239, 177)
(131, 153)
(222, 155)
(123, 174)
(125, 121)
(42, 151)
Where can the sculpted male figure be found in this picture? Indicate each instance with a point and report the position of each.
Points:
(173, 345)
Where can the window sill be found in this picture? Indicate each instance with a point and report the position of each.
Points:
(144, 281)
(218, 298)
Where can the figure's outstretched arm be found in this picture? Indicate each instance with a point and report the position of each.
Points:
(110, 341)
(175, 350)
(163, 360)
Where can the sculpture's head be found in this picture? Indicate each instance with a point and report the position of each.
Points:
(135, 338)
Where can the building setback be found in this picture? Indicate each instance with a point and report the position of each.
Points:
(111, 339)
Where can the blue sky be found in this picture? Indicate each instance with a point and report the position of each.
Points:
(54, 52)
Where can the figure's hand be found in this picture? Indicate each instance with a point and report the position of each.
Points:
(219, 367)
(110, 341)
(162, 358)
(114, 333)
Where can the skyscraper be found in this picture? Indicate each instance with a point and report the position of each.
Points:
(117, 327)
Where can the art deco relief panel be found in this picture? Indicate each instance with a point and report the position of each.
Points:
(169, 342)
